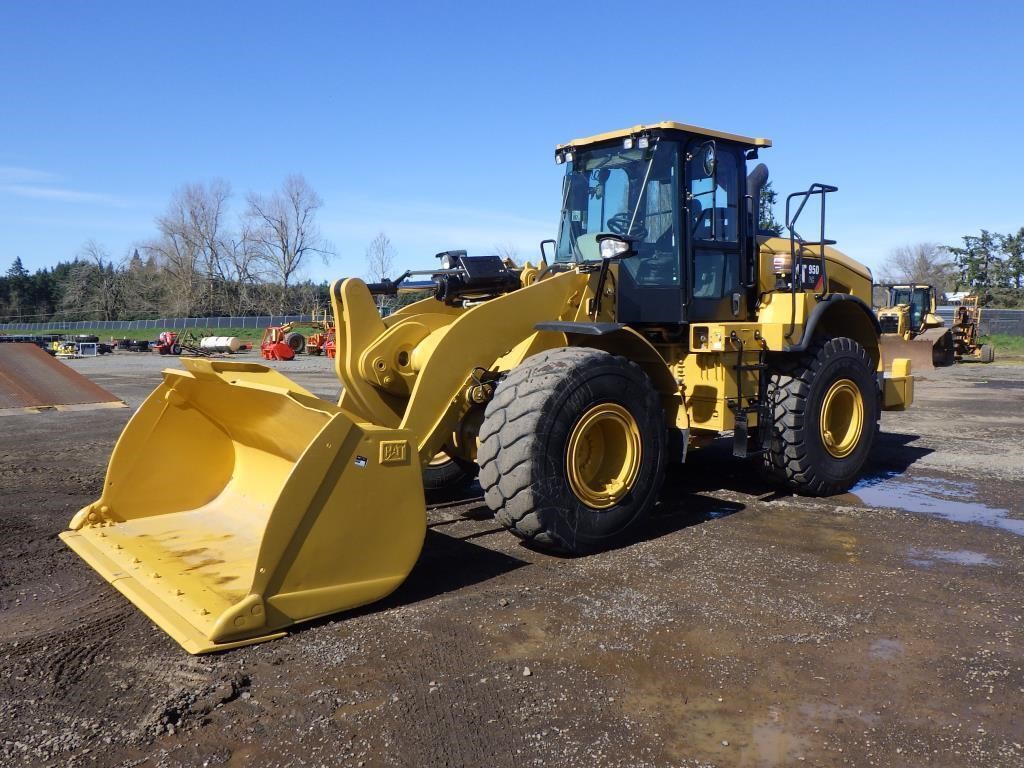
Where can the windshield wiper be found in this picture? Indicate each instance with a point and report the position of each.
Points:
(568, 222)
(643, 188)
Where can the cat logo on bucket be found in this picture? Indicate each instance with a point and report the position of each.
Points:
(394, 451)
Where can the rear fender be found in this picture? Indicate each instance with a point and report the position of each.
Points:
(843, 314)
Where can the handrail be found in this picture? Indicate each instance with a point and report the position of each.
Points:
(797, 254)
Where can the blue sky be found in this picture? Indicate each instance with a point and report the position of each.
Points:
(435, 122)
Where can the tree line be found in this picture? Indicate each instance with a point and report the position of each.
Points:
(201, 262)
(988, 264)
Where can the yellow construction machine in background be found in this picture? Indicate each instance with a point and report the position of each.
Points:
(912, 329)
(662, 319)
(966, 330)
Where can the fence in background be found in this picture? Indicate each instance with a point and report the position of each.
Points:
(163, 323)
(1009, 321)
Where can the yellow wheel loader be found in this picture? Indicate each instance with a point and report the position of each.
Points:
(912, 329)
(662, 319)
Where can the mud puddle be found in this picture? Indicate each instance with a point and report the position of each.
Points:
(928, 557)
(937, 497)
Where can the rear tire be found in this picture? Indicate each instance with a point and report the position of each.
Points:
(296, 341)
(988, 353)
(944, 352)
(572, 449)
(826, 412)
(447, 477)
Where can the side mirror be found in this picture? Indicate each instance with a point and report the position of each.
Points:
(615, 246)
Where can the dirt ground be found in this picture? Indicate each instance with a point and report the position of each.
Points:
(743, 627)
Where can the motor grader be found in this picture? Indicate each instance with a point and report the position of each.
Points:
(661, 318)
(966, 331)
(911, 327)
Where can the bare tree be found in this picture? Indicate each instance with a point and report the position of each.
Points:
(507, 252)
(92, 288)
(380, 264)
(177, 262)
(380, 258)
(921, 263)
(284, 231)
(206, 210)
(243, 271)
(193, 248)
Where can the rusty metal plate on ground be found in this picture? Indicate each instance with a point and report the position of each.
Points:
(30, 378)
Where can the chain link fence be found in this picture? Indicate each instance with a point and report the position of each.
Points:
(1008, 321)
(163, 323)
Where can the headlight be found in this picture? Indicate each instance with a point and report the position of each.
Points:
(613, 247)
(446, 261)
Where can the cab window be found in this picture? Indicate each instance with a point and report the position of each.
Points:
(715, 273)
(713, 194)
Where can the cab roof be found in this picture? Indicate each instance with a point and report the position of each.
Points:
(665, 125)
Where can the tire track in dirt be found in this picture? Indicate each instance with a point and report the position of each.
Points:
(442, 685)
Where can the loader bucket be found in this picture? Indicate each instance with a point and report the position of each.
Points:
(236, 504)
(930, 349)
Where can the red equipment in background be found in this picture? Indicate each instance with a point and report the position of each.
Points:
(283, 342)
(279, 344)
(330, 348)
(167, 343)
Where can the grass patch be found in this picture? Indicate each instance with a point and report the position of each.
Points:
(1005, 344)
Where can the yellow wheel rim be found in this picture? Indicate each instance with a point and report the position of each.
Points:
(842, 418)
(440, 458)
(603, 455)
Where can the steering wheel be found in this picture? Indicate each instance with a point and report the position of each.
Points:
(619, 225)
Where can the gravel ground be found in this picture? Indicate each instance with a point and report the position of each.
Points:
(741, 628)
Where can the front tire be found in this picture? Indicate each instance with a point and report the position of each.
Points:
(988, 353)
(572, 449)
(825, 417)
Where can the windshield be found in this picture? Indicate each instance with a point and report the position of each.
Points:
(918, 300)
(623, 192)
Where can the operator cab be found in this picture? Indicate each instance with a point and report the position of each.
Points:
(678, 194)
(917, 297)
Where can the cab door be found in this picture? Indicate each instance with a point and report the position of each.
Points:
(715, 237)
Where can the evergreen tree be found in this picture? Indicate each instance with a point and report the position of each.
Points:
(17, 288)
(978, 260)
(17, 270)
(1013, 247)
(766, 211)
